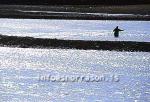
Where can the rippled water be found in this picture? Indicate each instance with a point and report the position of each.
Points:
(20, 70)
(76, 29)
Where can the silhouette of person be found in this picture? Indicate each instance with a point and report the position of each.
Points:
(116, 32)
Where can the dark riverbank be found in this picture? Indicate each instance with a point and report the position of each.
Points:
(74, 2)
(81, 12)
(29, 42)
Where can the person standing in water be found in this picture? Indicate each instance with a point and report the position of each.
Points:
(116, 32)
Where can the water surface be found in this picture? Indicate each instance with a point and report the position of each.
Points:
(20, 70)
(76, 29)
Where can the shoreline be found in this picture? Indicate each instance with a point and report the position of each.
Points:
(30, 42)
(82, 12)
(80, 17)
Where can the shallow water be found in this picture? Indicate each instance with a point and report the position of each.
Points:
(20, 70)
(76, 29)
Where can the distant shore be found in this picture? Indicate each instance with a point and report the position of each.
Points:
(30, 42)
(82, 12)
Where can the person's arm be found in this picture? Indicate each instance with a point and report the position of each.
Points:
(114, 30)
(121, 30)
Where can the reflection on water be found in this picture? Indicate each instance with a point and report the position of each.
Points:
(20, 70)
(76, 29)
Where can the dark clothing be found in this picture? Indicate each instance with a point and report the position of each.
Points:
(116, 31)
